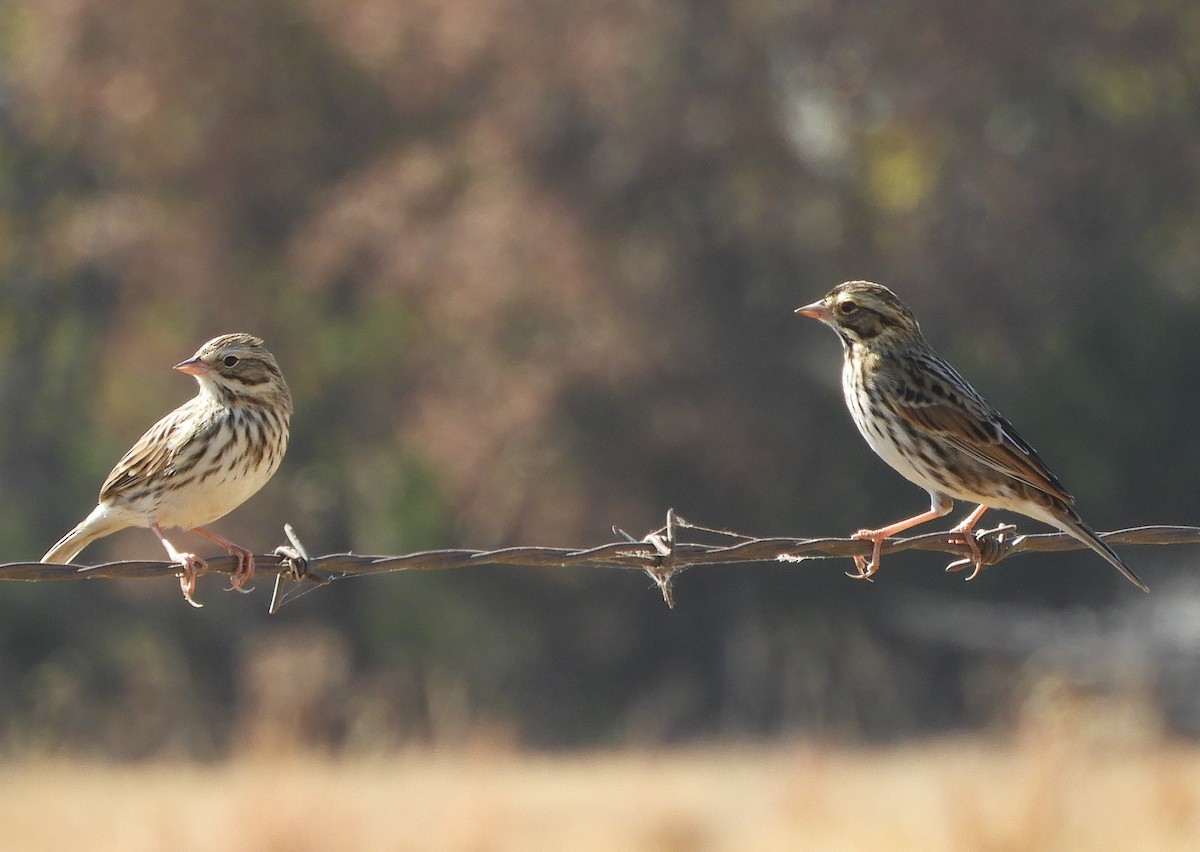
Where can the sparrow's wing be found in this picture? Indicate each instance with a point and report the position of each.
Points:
(155, 455)
(933, 398)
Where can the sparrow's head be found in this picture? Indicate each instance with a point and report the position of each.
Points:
(864, 313)
(237, 367)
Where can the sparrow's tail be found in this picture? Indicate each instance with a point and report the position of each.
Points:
(95, 526)
(1072, 524)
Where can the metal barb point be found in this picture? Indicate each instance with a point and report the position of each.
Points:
(618, 531)
(296, 560)
(663, 541)
(662, 579)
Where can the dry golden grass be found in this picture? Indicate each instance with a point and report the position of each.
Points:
(1045, 792)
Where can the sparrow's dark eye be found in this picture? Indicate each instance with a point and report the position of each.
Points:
(847, 307)
(229, 360)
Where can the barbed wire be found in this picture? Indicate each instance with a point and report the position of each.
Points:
(661, 554)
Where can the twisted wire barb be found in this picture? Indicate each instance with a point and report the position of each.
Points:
(661, 554)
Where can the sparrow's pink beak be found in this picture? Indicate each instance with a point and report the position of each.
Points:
(193, 367)
(816, 310)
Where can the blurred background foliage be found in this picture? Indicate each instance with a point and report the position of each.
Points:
(529, 268)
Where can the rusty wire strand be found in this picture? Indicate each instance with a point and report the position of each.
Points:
(661, 554)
